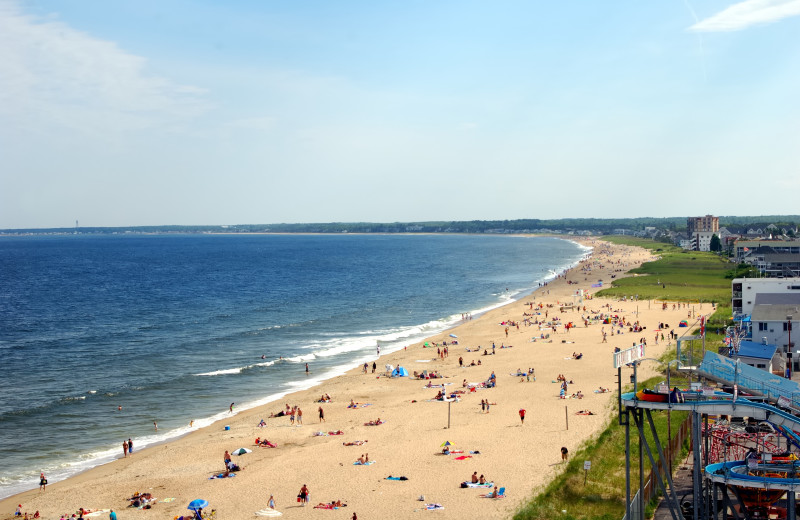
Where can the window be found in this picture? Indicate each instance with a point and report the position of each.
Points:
(762, 326)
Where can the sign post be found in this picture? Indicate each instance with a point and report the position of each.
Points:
(587, 465)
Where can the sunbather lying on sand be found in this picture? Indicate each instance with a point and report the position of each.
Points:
(354, 443)
(374, 423)
(265, 443)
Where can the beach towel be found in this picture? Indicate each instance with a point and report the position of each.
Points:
(369, 463)
(395, 478)
(268, 512)
(168, 499)
(221, 475)
(325, 506)
(431, 507)
(97, 513)
(464, 457)
(477, 485)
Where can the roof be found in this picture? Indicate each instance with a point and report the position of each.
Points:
(777, 311)
(752, 349)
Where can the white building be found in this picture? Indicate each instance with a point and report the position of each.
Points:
(744, 291)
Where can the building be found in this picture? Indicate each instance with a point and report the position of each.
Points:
(700, 224)
(760, 355)
(745, 290)
(773, 319)
(744, 249)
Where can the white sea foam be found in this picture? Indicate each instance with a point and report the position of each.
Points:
(222, 372)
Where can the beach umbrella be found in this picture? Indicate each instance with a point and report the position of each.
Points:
(242, 451)
(446, 443)
(453, 336)
(197, 504)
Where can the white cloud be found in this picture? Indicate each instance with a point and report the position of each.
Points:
(745, 14)
(52, 74)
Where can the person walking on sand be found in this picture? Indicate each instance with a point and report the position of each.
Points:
(522, 415)
(321, 414)
(299, 416)
(271, 503)
(304, 495)
(130, 446)
(42, 482)
(124, 448)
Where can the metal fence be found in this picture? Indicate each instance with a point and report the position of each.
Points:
(650, 489)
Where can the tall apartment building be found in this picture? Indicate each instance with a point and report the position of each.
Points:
(700, 224)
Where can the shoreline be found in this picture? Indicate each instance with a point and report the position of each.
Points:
(204, 447)
(106, 454)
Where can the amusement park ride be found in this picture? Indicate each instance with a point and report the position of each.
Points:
(745, 463)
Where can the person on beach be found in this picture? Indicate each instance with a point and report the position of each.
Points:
(42, 482)
(475, 477)
(304, 495)
(124, 448)
(226, 458)
(522, 415)
(112, 515)
(299, 416)
(321, 414)
(306, 368)
(481, 480)
(271, 503)
(374, 366)
(231, 408)
(130, 446)
(155, 425)
(564, 453)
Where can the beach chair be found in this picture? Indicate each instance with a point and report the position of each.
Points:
(501, 492)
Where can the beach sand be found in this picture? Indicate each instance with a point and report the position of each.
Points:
(515, 456)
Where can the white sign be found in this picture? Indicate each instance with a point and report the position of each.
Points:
(783, 402)
(587, 465)
(627, 356)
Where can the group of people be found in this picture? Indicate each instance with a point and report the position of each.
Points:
(127, 447)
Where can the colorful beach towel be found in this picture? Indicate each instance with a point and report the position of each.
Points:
(477, 485)
(369, 463)
(268, 512)
(464, 457)
(395, 478)
(221, 475)
(431, 507)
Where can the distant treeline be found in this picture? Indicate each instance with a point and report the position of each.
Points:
(566, 225)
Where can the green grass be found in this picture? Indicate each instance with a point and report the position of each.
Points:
(689, 276)
(602, 497)
(678, 275)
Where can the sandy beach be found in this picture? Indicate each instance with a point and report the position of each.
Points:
(519, 457)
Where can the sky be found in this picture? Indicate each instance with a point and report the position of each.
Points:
(200, 112)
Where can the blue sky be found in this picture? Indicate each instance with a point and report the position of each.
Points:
(203, 112)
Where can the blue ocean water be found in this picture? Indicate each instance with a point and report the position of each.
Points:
(173, 328)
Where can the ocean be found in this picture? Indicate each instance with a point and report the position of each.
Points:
(174, 328)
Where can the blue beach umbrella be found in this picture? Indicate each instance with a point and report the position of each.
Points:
(197, 504)
(453, 336)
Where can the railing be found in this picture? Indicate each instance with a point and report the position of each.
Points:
(750, 379)
(650, 489)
